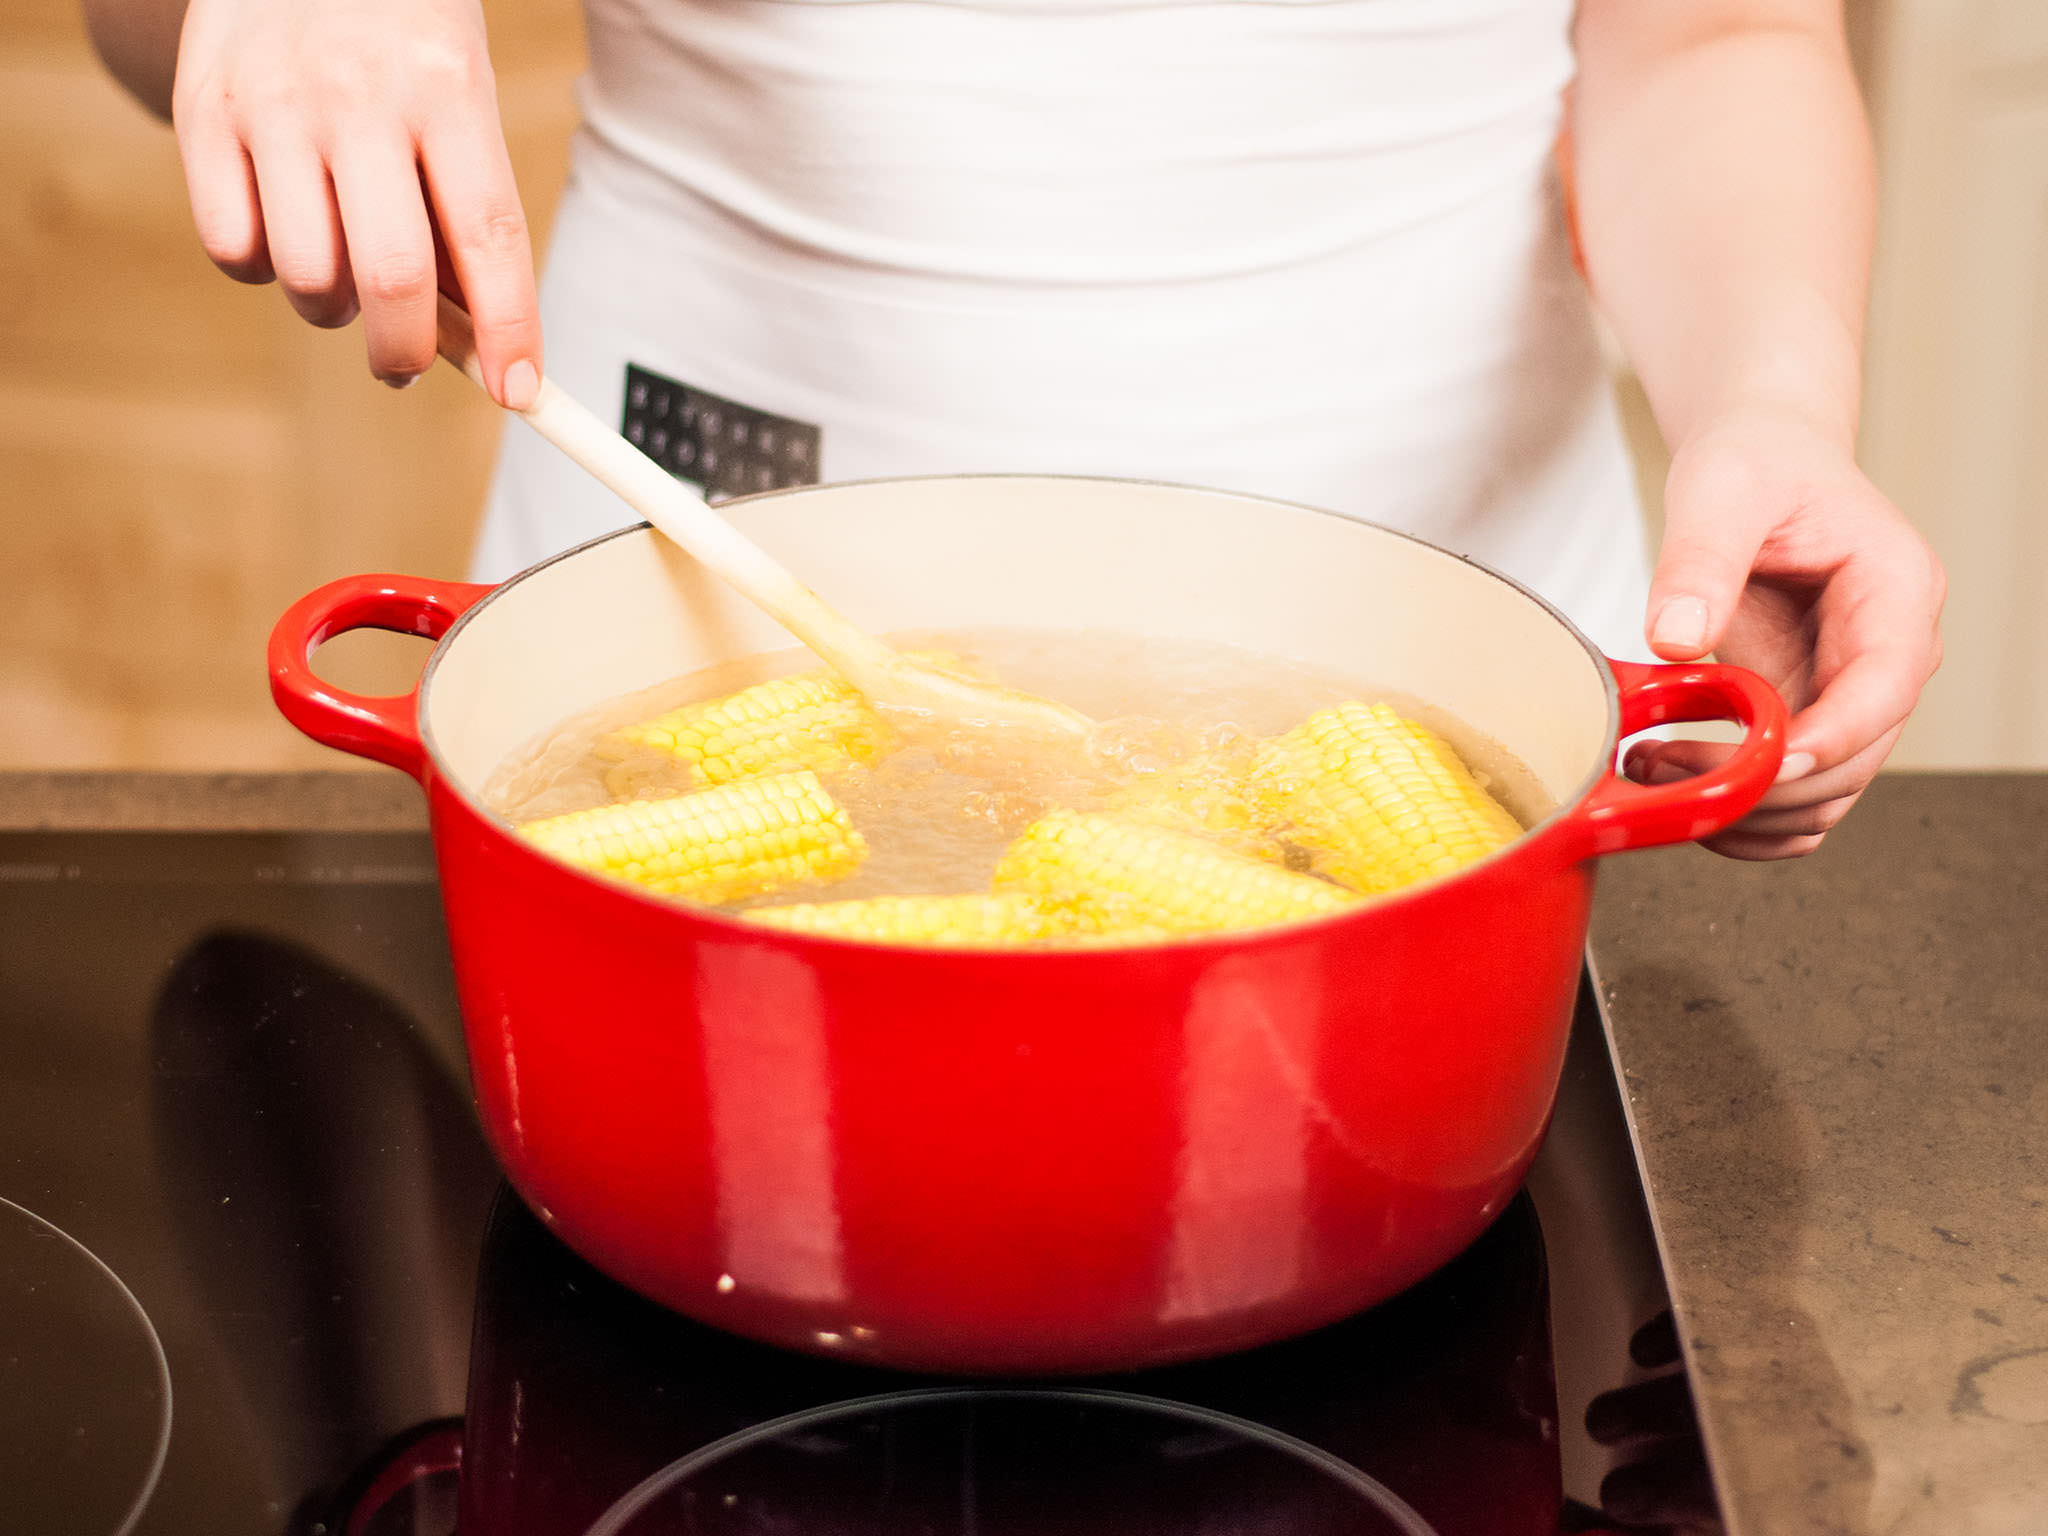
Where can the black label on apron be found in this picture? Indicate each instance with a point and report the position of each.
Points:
(720, 446)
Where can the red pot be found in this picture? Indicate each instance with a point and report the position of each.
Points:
(1025, 1161)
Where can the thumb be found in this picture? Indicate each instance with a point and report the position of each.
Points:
(1701, 572)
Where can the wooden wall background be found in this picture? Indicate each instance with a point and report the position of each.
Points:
(1955, 411)
(180, 456)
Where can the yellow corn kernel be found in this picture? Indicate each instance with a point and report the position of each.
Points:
(1124, 874)
(714, 845)
(1379, 801)
(813, 720)
(1101, 919)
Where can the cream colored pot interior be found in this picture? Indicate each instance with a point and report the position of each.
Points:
(631, 611)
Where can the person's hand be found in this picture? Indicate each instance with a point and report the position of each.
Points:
(344, 147)
(1781, 557)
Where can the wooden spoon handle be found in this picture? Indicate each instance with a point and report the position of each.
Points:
(682, 515)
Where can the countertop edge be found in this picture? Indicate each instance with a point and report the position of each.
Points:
(125, 800)
(303, 800)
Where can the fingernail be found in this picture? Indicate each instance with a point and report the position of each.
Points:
(522, 384)
(1681, 625)
(1797, 765)
(398, 380)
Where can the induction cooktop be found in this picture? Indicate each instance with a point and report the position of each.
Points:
(258, 1274)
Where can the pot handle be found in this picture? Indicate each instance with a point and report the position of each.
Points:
(384, 729)
(1619, 814)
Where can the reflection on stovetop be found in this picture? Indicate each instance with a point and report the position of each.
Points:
(235, 1075)
(579, 1391)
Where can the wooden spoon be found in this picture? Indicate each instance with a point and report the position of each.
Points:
(891, 680)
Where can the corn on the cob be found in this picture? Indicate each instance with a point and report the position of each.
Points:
(974, 918)
(1002, 919)
(1206, 795)
(1120, 873)
(813, 720)
(715, 845)
(1380, 801)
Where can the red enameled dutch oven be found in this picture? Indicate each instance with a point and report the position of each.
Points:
(1020, 1161)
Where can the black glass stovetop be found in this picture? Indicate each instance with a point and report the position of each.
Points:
(259, 1277)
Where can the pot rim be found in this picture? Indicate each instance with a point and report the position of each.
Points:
(1235, 940)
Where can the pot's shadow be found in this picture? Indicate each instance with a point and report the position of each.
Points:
(326, 1186)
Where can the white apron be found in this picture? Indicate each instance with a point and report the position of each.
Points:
(1309, 249)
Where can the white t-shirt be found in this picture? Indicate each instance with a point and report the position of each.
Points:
(1309, 249)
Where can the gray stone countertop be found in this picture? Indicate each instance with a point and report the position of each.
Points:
(1837, 1074)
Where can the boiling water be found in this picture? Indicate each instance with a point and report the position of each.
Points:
(939, 807)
